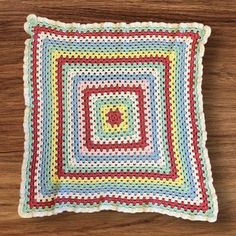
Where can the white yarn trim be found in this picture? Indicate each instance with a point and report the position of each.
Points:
(106, 206)
(26, 156)
(203, 124)
(120, 25)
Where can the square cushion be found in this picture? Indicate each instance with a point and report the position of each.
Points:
(114, 119)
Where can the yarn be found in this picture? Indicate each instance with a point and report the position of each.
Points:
(114, 119)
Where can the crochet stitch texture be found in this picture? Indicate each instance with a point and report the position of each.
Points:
(114, 120)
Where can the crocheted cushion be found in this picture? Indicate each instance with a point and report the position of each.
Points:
(114, 120)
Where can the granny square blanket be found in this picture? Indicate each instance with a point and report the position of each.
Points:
(114, 119)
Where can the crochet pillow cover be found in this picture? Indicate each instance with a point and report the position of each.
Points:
(114, 119)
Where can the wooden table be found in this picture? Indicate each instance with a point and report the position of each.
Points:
(219, 90)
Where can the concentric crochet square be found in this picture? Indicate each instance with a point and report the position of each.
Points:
(114, 120)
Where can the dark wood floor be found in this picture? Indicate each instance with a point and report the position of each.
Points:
(219, 90)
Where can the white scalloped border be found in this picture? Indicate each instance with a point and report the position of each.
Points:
(26, 157)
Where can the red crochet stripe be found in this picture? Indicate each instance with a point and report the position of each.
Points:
(61, 173)
(33, 202)
(88, 142)
(39, 29)
(138, 201)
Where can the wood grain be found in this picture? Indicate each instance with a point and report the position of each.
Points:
(219, 90)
